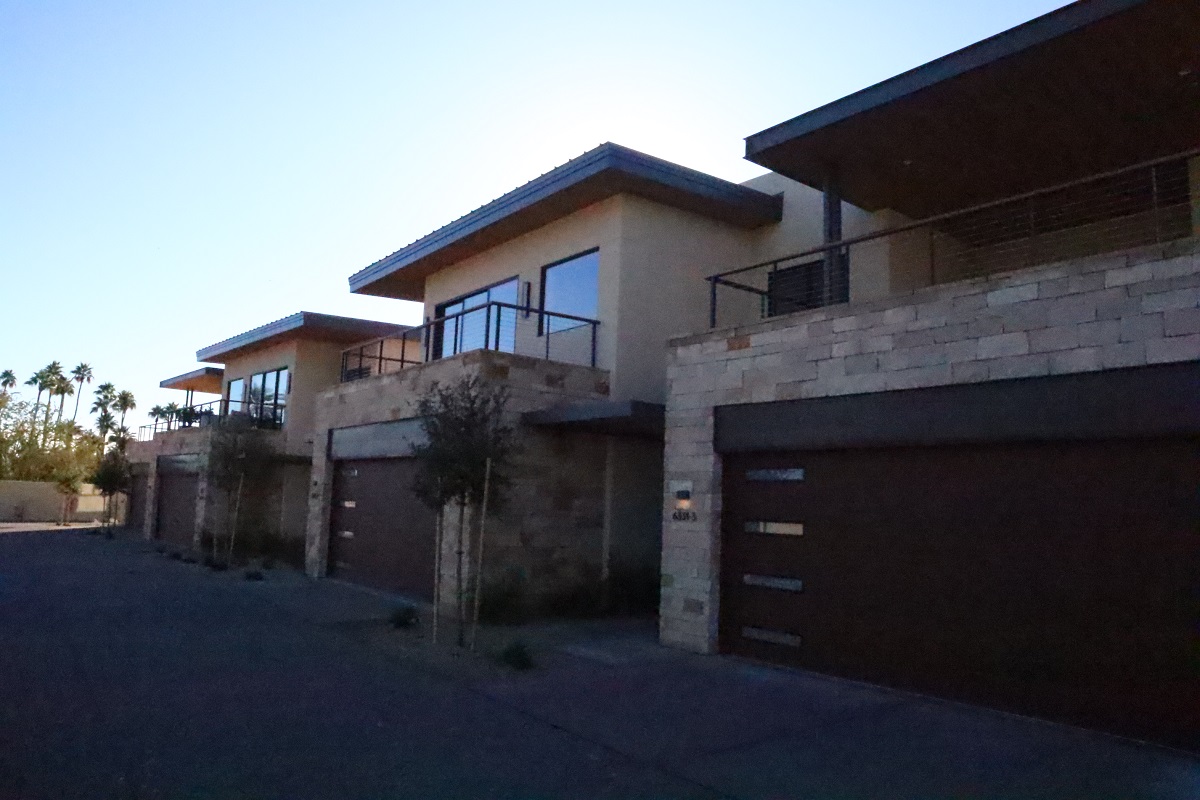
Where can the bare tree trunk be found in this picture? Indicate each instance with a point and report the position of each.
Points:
(437, 570)
(237, 507)
(487, 479)
(462, 525)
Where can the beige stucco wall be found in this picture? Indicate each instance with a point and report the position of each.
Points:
(1121, 310)
(39, 501)
(313, 367)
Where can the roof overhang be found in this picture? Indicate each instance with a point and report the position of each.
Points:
(302, 326)
(1089, 88)
(206, 379)
(630, 418)
(596, 175)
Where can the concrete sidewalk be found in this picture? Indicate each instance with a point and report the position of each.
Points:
(130, 675)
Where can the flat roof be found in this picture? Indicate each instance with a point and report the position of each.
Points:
(302, 325)
(1090, 87)
(205, 379)
(607, 170)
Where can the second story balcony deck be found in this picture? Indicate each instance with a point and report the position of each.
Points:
(1154, 202)
(504, 327)
(264, 415)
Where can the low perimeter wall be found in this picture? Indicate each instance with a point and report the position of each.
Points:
(39, 501)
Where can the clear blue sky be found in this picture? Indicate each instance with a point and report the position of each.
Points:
(172, 174)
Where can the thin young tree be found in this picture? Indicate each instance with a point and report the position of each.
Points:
(8, 379)
(468, 449)
(81, 374)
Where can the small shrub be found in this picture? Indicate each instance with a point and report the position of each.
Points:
(403, 616)
(517, 656)
(254, 575)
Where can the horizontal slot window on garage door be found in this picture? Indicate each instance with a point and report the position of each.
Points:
(777, 528)
(771, 582)
(772, 637)
(775, 475)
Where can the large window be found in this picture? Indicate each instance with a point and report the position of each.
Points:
(237, 393)
(493, 329)
(267, 399)
(571, 287)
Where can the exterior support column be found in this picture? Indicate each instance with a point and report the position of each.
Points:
(1194, 192)
(831, 230)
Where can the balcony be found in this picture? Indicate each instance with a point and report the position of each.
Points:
(1155, 202)
(262, 415)
(503, 327)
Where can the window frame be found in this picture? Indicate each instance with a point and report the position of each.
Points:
(439, 313)
(546, 268)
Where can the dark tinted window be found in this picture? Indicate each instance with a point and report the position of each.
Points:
(571, 287)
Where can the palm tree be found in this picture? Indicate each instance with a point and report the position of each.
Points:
(38, 380)
(105, 424)
(63, 387)
(81, 374)
(124, 403)
(172, 411)
(120, 437)
(8, 379)
(106, 395)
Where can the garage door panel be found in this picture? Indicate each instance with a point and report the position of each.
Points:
(176, 512)
(1030, 576)
(381, 534)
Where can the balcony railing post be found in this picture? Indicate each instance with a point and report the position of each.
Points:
(594, 326)
(379, 364)
(712, 302)
(487, 328)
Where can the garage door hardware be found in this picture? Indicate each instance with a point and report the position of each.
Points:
(768, 582)
(772, 637)
(778, 528)
(775, 475)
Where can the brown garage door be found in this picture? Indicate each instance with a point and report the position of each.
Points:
(176, 517)
(380, 534)
(1056, 579)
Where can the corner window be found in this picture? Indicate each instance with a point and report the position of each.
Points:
(236, 394)
(267, 399)
(570, 287)
(491, 329)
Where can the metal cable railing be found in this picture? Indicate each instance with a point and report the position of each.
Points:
(1149, 203)
(503, 327)
(268, 414)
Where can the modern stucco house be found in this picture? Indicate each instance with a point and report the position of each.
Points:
(269, 376)
(949, 442)
(566, 291)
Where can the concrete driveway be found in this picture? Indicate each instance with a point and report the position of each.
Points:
(127, 675)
